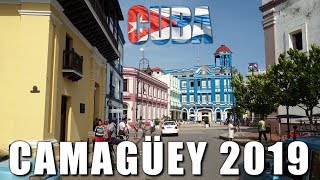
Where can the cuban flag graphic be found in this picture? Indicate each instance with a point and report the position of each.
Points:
(166, 23)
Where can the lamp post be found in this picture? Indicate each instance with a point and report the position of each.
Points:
(142, 63)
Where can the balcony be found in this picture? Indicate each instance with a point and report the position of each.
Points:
(72, 65)
(90, 17)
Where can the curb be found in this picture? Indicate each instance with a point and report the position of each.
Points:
(241, 143)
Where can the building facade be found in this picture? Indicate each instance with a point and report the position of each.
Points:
(206, 90)
(174, 110)
(53, 56)
(145, 97)
(290, 24)
(114, 85)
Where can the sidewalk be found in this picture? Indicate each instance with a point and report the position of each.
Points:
(242, 138)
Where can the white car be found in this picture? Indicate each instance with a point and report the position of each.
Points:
(170, 127)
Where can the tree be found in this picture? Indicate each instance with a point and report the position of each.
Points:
(284, 76)
(238, 110)
(258, 95)
(307, 69)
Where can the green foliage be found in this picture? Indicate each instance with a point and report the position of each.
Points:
(238, 110)
(157, 121)
(297, 79)
(258, 94)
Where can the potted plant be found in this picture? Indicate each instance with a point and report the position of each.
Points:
(206, 121)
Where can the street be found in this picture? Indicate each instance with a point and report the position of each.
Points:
(211, 164)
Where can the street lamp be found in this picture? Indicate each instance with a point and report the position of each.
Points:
(142, 64)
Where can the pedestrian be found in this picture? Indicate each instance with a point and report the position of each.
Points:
(112, 133)
(136, 129)
(262, 129)
(294, 133)
(106, 123)
(152, 125)
(99, 132)
(123, 129)
(231, 130)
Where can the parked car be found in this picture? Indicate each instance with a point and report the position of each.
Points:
(170, 127)
(313, 173)
(5, 173)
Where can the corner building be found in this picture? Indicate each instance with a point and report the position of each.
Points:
(54, 55)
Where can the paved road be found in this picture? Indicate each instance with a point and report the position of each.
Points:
(211, 165)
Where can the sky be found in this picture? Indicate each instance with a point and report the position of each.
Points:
(235, 23)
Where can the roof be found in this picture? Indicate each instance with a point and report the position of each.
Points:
(290, 116)
(223, 48)
(313, 142)
(156, 69)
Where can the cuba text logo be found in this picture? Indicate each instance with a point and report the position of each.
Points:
(169, 22)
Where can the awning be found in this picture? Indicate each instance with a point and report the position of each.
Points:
(290, 116)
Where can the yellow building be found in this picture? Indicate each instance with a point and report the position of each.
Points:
(53, 56)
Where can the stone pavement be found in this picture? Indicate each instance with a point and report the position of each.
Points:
(243, 138)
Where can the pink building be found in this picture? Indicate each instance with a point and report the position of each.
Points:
(151, 101)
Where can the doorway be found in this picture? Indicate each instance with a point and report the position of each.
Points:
(63, 122)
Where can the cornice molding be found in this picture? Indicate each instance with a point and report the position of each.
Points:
(271, 5)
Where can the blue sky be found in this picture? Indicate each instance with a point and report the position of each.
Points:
(237, 24)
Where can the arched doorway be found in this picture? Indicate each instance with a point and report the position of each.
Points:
(228, 113)
(184, 114)
(192, 115)
(218, 115)
(205, 113)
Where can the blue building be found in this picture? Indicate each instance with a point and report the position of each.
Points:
(206, 90)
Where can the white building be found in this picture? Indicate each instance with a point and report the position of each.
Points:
(290, 24)
(174, 92)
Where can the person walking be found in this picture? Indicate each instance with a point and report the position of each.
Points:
(112, 133)
(123, 131)
(136, 129)
(262, 129)
(99, 132)
(231, 128)
(152, 125)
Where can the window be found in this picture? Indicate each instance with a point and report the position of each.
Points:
(204, 98)
(125, 85)
(139, 88)
(217, 97)
(184, 98)
(225, 98)
(225, 83)
(296, 39)
(192, 98)
(204, 83)
(199, 83)
(145, 89)
(191, 84)
(209, 97)
(184, 83)
(209, 83)
(154, 92)
(217, 83)
(199, 98)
